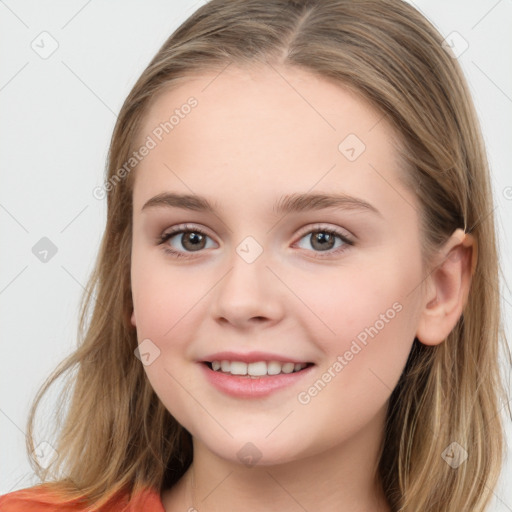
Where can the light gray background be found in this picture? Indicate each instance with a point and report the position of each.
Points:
(57, 118)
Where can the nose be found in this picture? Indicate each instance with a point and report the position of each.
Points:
(249, 293)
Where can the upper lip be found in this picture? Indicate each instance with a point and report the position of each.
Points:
(251, 357)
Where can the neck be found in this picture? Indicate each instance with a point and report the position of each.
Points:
(342, 478)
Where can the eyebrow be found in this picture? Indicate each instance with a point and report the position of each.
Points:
(286, 204)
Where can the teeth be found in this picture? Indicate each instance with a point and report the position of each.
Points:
(256, 369)
(288, 367)
(274, 368)
(238, 368)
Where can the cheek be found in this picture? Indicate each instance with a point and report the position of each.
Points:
(364, 322)
(162, 295)
(347, 302)
(374, 331)
(166, 306)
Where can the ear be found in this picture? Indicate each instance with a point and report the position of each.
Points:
(132, 319)
(447, 288)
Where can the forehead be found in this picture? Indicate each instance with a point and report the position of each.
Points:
(284, 95)
(263, 128)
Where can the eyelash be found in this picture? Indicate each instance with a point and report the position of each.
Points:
(187, 228)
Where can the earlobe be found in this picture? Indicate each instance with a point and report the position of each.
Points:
(132, 319)
(448, 288)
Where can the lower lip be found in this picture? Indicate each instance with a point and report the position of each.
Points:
(246, 387)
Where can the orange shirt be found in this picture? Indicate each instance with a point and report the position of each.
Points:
(36, 499)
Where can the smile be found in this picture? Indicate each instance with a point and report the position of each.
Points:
(257, 379)
(257, 368)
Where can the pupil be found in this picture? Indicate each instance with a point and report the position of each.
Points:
(323, 239)
(192, 240)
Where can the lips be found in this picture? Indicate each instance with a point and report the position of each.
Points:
(254, 374)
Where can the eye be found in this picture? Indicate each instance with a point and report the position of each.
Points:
(192, 238)
(323, 239)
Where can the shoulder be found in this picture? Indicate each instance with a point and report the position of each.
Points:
(35, 499)
(39, 499)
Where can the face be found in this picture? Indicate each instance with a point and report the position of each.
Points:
(333, 288)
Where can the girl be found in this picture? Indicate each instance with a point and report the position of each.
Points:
(294, 305)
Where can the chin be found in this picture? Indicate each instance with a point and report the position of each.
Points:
(255, 451)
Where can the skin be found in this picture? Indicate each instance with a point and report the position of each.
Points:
(256, 135)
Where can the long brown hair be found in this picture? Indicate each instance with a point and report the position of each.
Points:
(118, 436)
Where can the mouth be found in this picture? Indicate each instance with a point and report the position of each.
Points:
(256, 369)
(259, 376)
